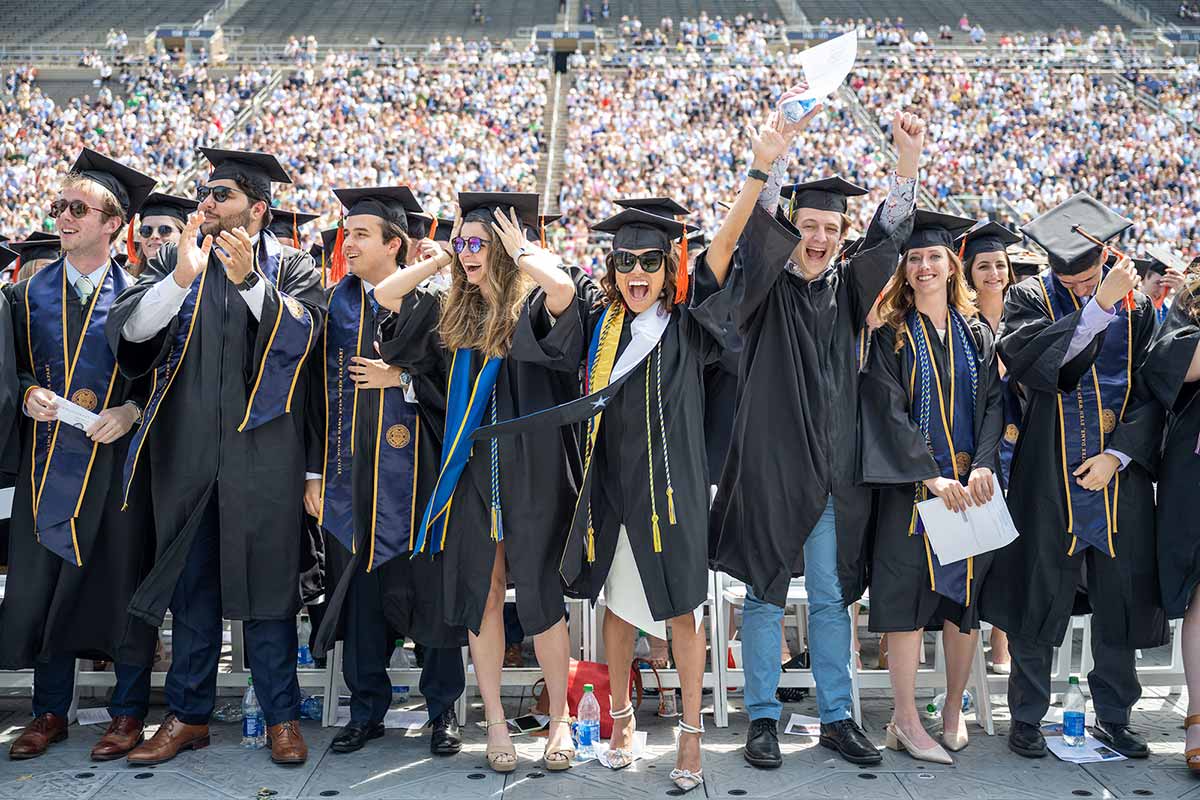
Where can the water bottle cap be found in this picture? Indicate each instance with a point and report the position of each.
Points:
(587, 688)
(249, 681)
(1073, 681)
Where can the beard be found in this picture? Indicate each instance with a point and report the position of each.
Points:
(228, 223)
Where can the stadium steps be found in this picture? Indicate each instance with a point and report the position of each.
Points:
(552, 163)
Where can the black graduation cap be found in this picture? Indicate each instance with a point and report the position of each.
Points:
(1058, 232)
(827, 194)
(1161, 259)
(39, 245)
(697, 241)
(479, 206)
(392, 203)
(634, 229)
(986, 237)
(259, 169)
(419, 225)
(287, 224)
(129, 186)
(662, 206)
(328, 241)
(933, 228)
(7, 257)
(167, 205)
(1026, 263)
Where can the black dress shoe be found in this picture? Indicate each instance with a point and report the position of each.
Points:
(851, 743)
(1121, 739)
(1026, 740)
(446, 738)
(762, 744)
(355, 735)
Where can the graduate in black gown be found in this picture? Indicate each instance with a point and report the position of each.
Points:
(1081, 487)
(222, 325)
(36, 251)
(1162, 274)
(75, 558)
(286, 225)
(500, 510)
(372, 464)
(639, 531)
(932, 415)
(787, 503)
(160, 222)
(1172, 372)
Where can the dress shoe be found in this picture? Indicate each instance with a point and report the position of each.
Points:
(1026, 740)
(955, 740)
(762, 744)
(355, 735)
(445, 739)
(897, 740)
(849, 740)
(171, 737)
(286, 742)
(514, 656)
(1120, 738)
(124, 733)
(37, 737)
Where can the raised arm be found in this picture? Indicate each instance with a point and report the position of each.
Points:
(543, 266)
(392, 290)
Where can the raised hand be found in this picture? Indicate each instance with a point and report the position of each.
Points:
(236, 254)
(908, 136)
(193, 256)
(508, 228)
(1120, 281)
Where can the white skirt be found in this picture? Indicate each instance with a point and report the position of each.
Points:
(625, 596)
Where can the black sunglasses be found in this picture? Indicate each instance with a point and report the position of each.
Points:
(625, 261)
(164, 231)
(219, 193)
(474, 244)
(78, 208)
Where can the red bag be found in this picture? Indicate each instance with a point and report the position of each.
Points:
(584, 672)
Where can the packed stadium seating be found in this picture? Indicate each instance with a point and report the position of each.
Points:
(651, 11)
(995, 16)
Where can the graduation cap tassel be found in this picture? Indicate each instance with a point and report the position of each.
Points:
(130, 246)
(681, 274)
(338, 270)
(541, 233)
(432, 229)
(295, 232)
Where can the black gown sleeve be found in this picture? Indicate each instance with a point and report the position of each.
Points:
(1170, 356)
(1033, 346)
(892, 449)
(409, 339)
(561, 344)
(11, 394)
(991, 389)
(1139, 433)
(136, 359)
(873, 263)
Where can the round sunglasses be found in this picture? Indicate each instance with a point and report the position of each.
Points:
(219, 193)
(474, 244)
(78, 208)
(146, 231)
(625, 261)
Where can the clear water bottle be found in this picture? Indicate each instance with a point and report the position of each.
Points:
(311, 707)
(1074, 714)
(588, 727)
(254, 727)
(304, 657)
(401, 659)
(934, 708)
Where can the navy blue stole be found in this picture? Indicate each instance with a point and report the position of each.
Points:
(275, 379)
(943, 406)
(1087, 416)
(62, 456)
(348, 333)
(466, 401)
(1012, 429)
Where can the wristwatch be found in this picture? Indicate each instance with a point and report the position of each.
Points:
(758, 175)
(248, 283)
(137, 409)
(526, 250)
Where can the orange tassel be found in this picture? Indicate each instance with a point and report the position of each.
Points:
(338, 270)
(681, 275)
(130, 247)
(542, 233)
(295, 233)
(962, 249)
(432, 228)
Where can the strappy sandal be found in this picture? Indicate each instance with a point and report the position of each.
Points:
(558, 758)
(501, 759)
(684, 779)
(1194, 753)
(621, 757)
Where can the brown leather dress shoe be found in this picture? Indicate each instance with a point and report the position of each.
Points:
(172, 737)
(287, 745)
(37, 737)
(124, 733)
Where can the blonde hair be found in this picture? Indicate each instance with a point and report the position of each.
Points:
(470, 320)
(899, 298)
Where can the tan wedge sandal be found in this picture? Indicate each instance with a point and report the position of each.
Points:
(1192, 756)
(559, 758)
(501, 759)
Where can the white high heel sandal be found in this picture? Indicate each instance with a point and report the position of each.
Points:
(684, 779)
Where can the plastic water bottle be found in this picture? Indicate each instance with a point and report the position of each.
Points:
(401, 659)
(1074, 713)
(304, 657)
(254, 727)
(934, 708)
(589, 725)
(795, 109)
(311, 707)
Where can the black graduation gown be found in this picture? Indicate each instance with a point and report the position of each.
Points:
(1179, 473)
(895, 456)
(194, 448)
(675, 579)
(538, 476)
(410, 588)
(52, 607)
(1123, 590)
(793, 441)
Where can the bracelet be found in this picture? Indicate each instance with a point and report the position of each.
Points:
(758, 175)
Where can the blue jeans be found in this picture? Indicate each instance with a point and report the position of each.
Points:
(828, 634)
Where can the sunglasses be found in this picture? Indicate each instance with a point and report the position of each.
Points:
(625, 261)
(164, 231)
(219, 193)
(78, 208)
(474, 244)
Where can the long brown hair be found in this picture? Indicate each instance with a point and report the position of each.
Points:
(469, 319)
(899, 298)
(612, 294)
(969, 267)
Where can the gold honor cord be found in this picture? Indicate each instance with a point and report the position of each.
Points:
(598, 379)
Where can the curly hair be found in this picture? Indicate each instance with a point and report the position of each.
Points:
(612, 294)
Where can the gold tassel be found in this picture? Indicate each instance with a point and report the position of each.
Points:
(591, 545)
(671, 504)
(495, 530)
(657, 535)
